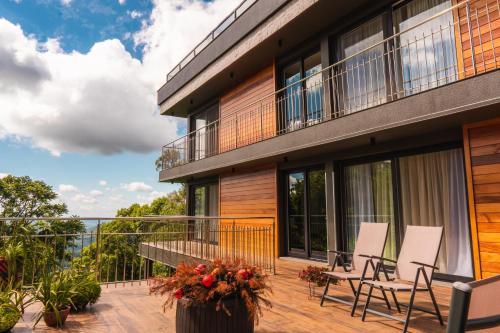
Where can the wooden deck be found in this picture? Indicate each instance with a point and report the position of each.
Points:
(130, 309)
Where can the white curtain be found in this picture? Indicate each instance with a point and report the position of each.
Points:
(433, 194)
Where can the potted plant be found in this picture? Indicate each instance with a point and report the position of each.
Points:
(9, 312)
(87, 289)
(216, 297)
(314, 277)
(55, 291)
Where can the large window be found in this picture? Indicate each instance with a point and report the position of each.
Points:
(301, 102)
(204, 201)
(306, 213)
(426, 52)
(204, 133)
(431, 192)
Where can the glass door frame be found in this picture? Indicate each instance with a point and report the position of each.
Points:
(308, 253)
(192, 224)
(339, 167)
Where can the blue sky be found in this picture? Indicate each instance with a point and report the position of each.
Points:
(77, 92)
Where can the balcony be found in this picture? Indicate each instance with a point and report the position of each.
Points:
(453, 45)
(127, 307)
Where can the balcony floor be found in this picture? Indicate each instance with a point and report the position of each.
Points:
(130, 309)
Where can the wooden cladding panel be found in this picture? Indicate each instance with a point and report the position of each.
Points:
(481, 145)
(243, 121)
(485, 27)
(251, 193)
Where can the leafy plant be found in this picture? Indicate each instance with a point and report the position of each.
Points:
(55, 291)
(9, 312)
(216, 282)
(314, 274)
(87, 289)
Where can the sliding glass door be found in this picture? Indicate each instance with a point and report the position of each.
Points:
(306, 213)
(205, 199)
(420, 189)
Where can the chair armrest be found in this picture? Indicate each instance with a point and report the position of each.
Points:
(365, 256)
(384, 259)
(340, 252)
(425, 265)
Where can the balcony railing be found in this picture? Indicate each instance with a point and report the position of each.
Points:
(454, 44)
(230, 19)
(126, 251)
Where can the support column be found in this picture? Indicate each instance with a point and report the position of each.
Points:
(331, 223)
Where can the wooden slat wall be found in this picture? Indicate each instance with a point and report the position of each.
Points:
(485, 24)
(243, 123)
(482, 151)
(250, 193)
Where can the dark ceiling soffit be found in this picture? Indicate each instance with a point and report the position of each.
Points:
(244, 25)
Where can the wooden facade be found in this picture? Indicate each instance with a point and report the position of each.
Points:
(485, 29)
(250, 193)
(482, 152)
(242, 120)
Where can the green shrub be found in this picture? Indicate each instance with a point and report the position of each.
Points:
(9, 313)
(88, 290)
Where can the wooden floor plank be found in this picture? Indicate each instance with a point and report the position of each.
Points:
(131, 309)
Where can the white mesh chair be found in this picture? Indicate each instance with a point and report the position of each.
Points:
(414, 269)
(371, 242)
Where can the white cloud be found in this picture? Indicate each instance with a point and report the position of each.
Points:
(136, 187)
(84, 199)
(66, 188)
(121, 2)
(66, 2)
(102, 101)
(103, 183)
(134, 14)
(96, 193)
(3, 175)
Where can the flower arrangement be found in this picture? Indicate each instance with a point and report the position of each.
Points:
(216, 282)
(315, 277)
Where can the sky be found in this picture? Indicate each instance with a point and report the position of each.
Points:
(78, 82)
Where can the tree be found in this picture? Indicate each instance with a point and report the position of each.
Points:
(24, 197)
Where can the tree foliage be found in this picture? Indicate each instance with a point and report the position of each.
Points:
(24, 197)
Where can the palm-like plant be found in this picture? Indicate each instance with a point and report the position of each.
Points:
(55, 291)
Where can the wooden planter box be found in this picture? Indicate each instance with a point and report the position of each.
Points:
(203, 318)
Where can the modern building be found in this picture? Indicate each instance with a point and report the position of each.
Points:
(325, 114)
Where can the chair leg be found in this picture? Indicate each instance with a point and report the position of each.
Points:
(438, 313)
(385, 298)
(356, 299)
(395, 300)
(367, 302)
(325, 292)
(408, 313)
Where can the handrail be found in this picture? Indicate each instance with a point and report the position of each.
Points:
(336, 85)
(142, 218)
(326, 69)
(221, 27)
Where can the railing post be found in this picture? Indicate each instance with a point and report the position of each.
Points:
(274, 245)
(261, 122)
(236, 130)
(97, 246)
(471, 36)
(234, 239)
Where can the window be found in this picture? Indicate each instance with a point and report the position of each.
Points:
(361, 77)
(204, 201)
(301, 102)
(427, 53)
(204, 133)
(431, 192)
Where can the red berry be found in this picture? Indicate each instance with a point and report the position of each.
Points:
(179, 293)
(207, 280)
(243, 274)
(200, 268)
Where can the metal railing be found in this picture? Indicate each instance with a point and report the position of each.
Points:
(454, 44)
(230, 19)
(130, 249)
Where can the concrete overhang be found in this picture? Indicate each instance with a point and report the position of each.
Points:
(433, 111)
(267, 30)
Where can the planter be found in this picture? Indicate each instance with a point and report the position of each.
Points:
(50, 318)
(203, 318)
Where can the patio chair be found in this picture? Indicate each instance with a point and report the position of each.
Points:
(413, 273)
(371, 242)
(474, 306)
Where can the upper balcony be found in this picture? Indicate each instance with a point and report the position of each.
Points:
(452, 45)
